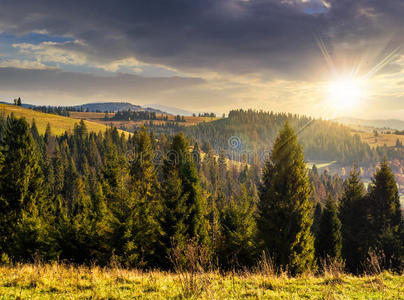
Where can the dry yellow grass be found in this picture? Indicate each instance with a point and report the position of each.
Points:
(99, 118)
(380, 140)
(59, 124)
(59, 281)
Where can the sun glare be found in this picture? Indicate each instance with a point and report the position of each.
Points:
(344, 93)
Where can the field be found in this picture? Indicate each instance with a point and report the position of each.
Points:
(59, 281)
(381, 139)
(131, 125)
(59, 124)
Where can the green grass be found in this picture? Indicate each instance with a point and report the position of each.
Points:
(59, 281)
(59, 124)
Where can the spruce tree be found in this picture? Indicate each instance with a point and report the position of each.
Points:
(196, 156)
(284, 210)
(21, 187)
(238, 232)
(329, 240)
(34, 131)
(48, 134)
(318, 212)
(354, 223)
(115, 188)
(385, 216)
(147, 208)
(175, 211)
(183, 206)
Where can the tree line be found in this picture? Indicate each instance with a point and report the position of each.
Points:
(129, 115)
(88, 197)
(321, 140)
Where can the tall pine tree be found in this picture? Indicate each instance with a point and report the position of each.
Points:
(21, 189)
(385, 216)
(146, 209)
(183, 205)
(238, 232)
(329, 240)
(355, 225)
(285, 211)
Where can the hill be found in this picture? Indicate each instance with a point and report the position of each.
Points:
(59, 124)
(380, 124)
(171, 110)
(100, 107)
(114, 107)
(167, 126)
(382, 139)
(255, 131)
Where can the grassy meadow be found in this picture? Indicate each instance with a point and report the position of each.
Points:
(59, 124)
(59, 281)
(132, 125)
(382, 139)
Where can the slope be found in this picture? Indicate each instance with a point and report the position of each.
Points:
(58, 123)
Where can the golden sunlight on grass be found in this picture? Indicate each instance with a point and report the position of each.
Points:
(68, 282)
(59, 124)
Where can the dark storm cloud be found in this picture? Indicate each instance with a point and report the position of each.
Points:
(87, 85)
(274, 37)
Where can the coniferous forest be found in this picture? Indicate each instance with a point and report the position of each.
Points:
(92, 198)
(321, 140)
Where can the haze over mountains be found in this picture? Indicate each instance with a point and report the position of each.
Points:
(389, 123)
(105, 106)
(115, 106)
(170, 109)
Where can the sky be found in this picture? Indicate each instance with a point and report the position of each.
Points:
(298, 56)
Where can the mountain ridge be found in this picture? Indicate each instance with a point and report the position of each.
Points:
(376, 123)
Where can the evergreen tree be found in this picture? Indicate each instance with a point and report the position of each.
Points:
(116, 190)
(48, 133)
(146, 209)
(318, 212)
(222, 166)
(385, 216)
(196, 156)
(285, 212)
(175, 211)
(355, 227)
(329, 240)
(80, 227)
(184, 209)
(34, 131)
(21, 187)
(238, 247)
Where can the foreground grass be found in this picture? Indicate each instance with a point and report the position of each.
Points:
(68, 282)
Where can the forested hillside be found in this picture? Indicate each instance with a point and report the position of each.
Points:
(256, 130)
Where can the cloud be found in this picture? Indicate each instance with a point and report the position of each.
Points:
(238, 53)
(52, 52)
(23, 64)
(88, 85)
(277, 38)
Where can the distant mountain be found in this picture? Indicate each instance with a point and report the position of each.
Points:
(115, 106)
(105, 106)
(108, 106)
(171, 110)
(390, 123)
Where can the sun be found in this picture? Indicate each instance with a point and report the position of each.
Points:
(344, 93)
